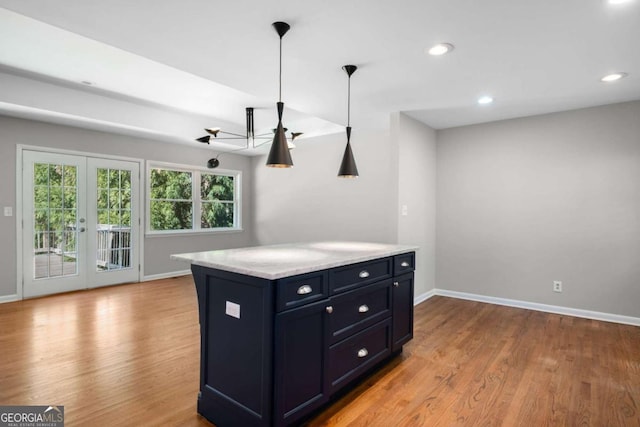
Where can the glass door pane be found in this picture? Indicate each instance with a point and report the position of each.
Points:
(53, 187)
(113, 223)
(55, 193)
(113, 227)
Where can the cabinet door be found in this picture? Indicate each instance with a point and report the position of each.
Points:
(402, 330)
(300, 362)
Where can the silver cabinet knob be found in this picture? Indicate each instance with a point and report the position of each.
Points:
(364, 274)
(404, 264)
(363, 352)
(304, 289)
(396, 284)
(329, 309)
(363, 308)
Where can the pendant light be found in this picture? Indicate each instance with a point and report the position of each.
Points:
(348, 167)
(279, 156)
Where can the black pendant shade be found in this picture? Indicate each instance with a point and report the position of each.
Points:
(348, 168)
(279, 156)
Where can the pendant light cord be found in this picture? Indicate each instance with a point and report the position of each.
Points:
(349, 102)
(280, 74)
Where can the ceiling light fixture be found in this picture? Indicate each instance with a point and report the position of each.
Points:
(279, 156)
(440, 49)
(250, 135)
(348, 167)
(616, 2)
(613, 77)
(484, 100)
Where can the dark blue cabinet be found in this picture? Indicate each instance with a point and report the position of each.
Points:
(300, 362)
(275, 351)
(402, 331)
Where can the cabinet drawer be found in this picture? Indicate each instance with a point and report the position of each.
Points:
(303, 289)
(404, 263)
(343, 279)
(355, 310)
(353, 356)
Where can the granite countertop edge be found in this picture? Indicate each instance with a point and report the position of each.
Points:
(222, 259)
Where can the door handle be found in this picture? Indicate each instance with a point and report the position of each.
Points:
(82, 229)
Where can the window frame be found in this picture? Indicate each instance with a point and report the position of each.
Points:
(196, 200)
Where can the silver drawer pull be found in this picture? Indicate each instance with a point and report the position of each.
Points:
(304, 289)
(396, 284)
(363, 352)
(329, 309)
(404, 264)
(363, 308)
(364, 274)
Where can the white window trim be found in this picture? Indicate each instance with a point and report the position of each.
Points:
(195, 191)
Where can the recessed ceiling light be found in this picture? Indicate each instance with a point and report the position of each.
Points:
(483, 100)
(440, 49)
(87, 83)
(618, 1)
(613, 77)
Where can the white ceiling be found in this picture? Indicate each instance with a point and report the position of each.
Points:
(209, 59)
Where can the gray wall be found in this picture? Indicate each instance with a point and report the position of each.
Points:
(309, 203)
(157, 249)
(416, 146)
(523, 202)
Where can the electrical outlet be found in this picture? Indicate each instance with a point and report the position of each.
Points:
(557, 286)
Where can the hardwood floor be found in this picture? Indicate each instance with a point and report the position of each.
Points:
(129, 355)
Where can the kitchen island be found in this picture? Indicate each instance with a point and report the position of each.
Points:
(285, 327)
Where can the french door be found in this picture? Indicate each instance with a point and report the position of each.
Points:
(80, 222)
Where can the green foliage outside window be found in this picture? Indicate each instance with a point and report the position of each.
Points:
(216, 193)
(172, 202)
(54, 203)
(114, 197)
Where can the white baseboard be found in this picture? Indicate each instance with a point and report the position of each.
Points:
(587, 314)
(166, 275)
(423, 297)
(9, 298)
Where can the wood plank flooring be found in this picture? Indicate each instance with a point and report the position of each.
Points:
(129, 356)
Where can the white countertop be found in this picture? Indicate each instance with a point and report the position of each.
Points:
(277, 261)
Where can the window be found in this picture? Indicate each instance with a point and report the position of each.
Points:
(183, 199)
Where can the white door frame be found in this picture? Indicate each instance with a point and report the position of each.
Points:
(19, 204)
